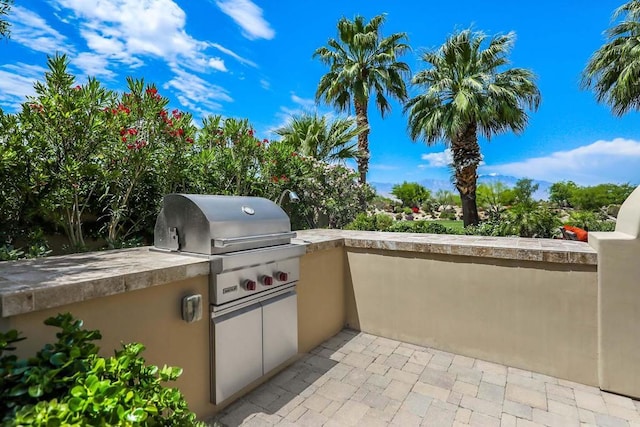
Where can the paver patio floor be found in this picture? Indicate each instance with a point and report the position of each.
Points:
(357, 379)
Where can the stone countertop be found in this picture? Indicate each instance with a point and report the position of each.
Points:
(517, 248)
(32, 285)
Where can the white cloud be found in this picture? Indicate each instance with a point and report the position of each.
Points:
(305, 103)
(249, 17)
(32, 31)
(93, 65)
(129, 31)
(615, 161)
(265, 84)
(195, 93)
(437, 160)
(217, 64)
(16, 82)
(233, 55)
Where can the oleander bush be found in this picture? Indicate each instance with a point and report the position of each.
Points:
(87, 162)
(68, 383)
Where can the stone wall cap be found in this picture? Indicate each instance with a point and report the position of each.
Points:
(516, 248)
(37, 284)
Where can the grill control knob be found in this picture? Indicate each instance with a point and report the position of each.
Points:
(250, 285)
(282, 276)
(267, 280)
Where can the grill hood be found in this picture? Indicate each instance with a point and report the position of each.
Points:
(211, 224)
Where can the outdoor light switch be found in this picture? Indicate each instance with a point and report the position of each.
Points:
(192, 308)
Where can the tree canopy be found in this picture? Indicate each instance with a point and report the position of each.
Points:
(613, 70)
(362, 64)
(467, 90)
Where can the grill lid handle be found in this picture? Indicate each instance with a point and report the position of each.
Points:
(231, 241)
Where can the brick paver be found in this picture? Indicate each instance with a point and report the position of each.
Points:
(357, 379)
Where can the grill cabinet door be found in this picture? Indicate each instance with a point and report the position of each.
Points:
(280, 329)
(237, 351)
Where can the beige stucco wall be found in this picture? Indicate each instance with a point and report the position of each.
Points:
(321, 297)
(532, 315)
(150, 316)
(619, 300)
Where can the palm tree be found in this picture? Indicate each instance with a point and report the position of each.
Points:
(613, 69)
(5, 8)
(322, 138)
(465, 93)
(361, 63)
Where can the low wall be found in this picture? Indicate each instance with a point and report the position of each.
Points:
(526, 303)
(531, 315)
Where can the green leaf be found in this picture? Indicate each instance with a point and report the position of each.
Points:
(53, 422)
(58, 359)
(18, 390)
(35, 390)
(137, 415)
(77, 391)
(76, 404)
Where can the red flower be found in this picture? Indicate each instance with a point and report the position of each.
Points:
(274, 179)
(265, 141)
(152, 91)
(294, 154)
(250, 132)
(78, 87)
(180, 132)
(163, 113)
(124, 139)
(415, 209)
(129, 146)
(284, 178)
(190, 140)
(123, 131)
(133, 131)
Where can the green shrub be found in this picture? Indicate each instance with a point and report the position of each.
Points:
(67, 383)
(445, 215)
(429, 227)
(486, 228)
(365, 222)
(411, 193)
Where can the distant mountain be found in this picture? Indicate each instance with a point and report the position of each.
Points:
(384, 188)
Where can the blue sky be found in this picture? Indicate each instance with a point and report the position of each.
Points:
(240, 58)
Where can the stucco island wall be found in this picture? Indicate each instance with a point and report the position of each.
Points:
(130, 296)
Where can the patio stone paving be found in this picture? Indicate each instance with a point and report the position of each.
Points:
(357, 379)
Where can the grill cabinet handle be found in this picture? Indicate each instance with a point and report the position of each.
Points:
(231, 241)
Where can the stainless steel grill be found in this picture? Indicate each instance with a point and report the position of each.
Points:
(254, 271)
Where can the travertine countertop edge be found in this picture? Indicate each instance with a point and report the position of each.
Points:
(516, 248)
(32, 285)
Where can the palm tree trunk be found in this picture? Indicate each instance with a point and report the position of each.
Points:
(363, 140)
(466, 157)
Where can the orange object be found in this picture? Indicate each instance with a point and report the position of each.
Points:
(581, 235)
